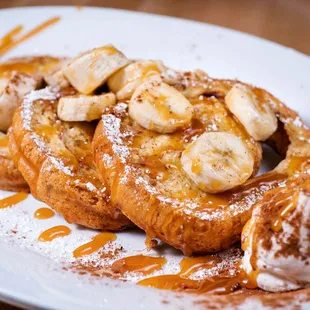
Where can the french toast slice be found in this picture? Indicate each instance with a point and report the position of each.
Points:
(55, 159)
(144, 173)
(10, 178)
(145, 167)
(21, 67)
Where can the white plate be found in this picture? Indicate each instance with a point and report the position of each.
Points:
(30, 273)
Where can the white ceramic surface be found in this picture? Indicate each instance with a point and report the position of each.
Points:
(32, 275)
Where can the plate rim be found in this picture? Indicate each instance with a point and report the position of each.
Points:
(156, 15)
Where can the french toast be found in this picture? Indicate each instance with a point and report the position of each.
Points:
(146, 176)
(10, 178)
(55, 159)
(17, 77)
(177, 154)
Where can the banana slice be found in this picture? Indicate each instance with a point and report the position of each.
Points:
(217, 161)
(257, 117)
(13, 93)
(159, 107)
(56, 79)
(190, 83)
(55, 76)
(88, 71)
(125, 81)
(83, 107)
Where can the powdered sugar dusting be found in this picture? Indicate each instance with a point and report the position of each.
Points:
(112, 126)
(90, 186)
(47, 93)
(57, 162)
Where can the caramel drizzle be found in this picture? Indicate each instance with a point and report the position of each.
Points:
(12, 200)
(139, 263)
(94, 245)
(43, 213)
(9, 41)
(53, 233)
(190, 265)
(219, 284)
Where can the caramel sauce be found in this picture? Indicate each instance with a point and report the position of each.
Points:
(196, 166)
(298, 163)
(286, 205)
(149, 70)
(196, 128)
(7, 68)
(254, 185)
(246, 233)
(190, 265)
(12, 200)
(216, 285)
(4, 142)
(9, 41)
(46, 131)
(43, 213)
(169, 282)
(160, 107)
(139, 263)
(9, 37)
(53, 233)
(110, 50)
(270, 179)
(94, 245)
(247, 280)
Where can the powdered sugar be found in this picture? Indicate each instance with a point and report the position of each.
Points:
(57, 162)
(47, 93)
(108, 160)
(90, 186)
(112, 127)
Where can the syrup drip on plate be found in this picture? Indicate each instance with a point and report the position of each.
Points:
(94, 245)
(43, 213)
(11, 39)
(12, 200)
(139, 263)
(219, 284)
(190, 265)
(53, 233)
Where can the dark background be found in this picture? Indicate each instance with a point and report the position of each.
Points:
(284, 21)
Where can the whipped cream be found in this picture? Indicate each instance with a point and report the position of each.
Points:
(284, 264)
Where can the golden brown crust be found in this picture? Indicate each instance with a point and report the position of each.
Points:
(37, 65)
(10, 178)
(55, 159)
(172, 212)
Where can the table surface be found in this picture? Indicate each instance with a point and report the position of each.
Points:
(284, 21)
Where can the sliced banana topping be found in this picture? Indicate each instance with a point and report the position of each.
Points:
(56, 79)
(83, 107)
(159, 107)
(88, 71)
(190, 83)
(256, 116)
(125, 81)
(13, 93)
(217, 161)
